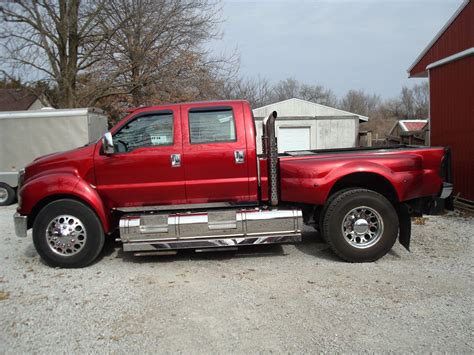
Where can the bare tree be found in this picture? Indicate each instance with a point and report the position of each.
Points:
(259, 91)
(52, 41)
(421, 98)
(156, 53)
(359, 102)
(317, 94)
(286, 89)
(412, 102)
(292, 88)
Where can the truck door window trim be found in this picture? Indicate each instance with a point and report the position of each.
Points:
(146, 114)
(202, 140)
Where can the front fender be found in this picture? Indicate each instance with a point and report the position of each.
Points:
(47, 187)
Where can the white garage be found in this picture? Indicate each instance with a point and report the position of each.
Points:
(304, 125)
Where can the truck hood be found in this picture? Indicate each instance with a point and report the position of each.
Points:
(77, 161)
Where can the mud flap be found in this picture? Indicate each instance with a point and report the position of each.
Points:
(404, 225)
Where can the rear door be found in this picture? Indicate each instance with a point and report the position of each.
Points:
(215, 153)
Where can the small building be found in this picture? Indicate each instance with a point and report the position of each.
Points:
(305, 125)
(448, 62)
(409, 132)
(19, 100)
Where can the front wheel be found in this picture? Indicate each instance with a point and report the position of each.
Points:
(67, 233)
(360, 225)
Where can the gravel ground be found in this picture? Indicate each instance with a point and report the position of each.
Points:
(292, 298)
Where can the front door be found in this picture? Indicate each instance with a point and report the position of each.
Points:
(215, 153)
(146, 167)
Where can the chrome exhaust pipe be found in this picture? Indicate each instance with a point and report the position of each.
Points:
(270, 149)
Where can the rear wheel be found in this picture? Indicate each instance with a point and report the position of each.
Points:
(7, 194)
(67, 233)
(360, 225)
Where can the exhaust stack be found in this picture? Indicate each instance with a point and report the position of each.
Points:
(270, 149)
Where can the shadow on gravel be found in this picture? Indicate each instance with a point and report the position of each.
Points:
(258, 251)
(30, 251)
(313, 244)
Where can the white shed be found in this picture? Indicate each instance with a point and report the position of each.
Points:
(305, 125)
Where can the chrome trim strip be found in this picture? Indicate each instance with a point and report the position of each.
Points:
(20, 223)
(211, 243)
(185, 207)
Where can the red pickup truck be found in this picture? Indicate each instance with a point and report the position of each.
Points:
(187, 176)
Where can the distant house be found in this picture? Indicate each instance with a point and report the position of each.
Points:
(19, 100)
(409, 132)
(448, 63)
(305, 125)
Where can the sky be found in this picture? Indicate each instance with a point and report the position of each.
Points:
(340, 44)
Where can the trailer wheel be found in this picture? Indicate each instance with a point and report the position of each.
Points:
(7, 194)
(67, 233)
(360, 225)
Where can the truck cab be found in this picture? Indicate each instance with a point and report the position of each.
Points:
(187, 176)
(180, 154)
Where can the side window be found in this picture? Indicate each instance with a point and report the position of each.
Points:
(211, 125)
(145, 131)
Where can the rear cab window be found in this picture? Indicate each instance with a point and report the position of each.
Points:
(211, 125)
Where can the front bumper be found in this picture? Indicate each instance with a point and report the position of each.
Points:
(21, 223)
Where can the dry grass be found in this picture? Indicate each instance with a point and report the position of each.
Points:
(4, 295)
(420, 221)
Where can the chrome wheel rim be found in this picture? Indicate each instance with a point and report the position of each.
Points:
(3, 194)
(362, 227)
(66, 235)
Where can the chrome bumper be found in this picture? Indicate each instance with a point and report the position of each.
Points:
(20, 225)
(447, 190)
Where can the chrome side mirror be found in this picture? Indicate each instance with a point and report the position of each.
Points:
(108, 143)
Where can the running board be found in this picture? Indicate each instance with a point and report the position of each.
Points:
(201, 244)
(209, 229)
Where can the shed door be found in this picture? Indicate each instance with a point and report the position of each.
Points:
(294, 138)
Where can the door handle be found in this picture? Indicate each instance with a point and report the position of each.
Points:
(239, 156)
(175, 160)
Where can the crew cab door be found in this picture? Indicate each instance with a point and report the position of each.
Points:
(215, 153)
(146, 166)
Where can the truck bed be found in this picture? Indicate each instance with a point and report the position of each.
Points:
(399, 147)
(309, 176)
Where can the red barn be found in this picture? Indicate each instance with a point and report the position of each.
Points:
(448, 62)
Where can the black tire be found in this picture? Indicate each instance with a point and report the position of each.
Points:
(325, 208)
(93, 239)
(359, 249)
(10, 194)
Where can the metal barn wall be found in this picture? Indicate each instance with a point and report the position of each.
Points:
(452, 118)
(456, 38)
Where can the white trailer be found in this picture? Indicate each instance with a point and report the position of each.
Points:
(26, 135)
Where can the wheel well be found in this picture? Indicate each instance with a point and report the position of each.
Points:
(42, 203)
(369, 181)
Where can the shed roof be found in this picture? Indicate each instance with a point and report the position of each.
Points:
(16, 99)
(301, 108)
(451, 42)
(411, 125)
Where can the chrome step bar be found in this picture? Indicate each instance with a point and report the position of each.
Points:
(211, 229)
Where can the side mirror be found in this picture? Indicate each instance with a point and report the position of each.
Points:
(108, 143)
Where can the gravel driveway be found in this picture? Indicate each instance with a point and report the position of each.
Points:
(291, 298)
